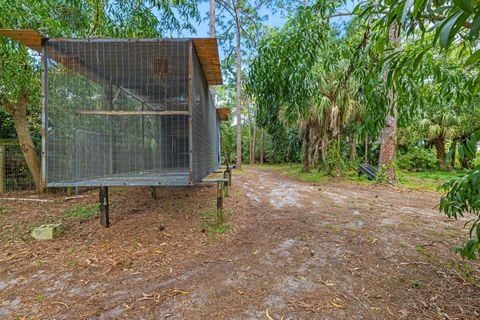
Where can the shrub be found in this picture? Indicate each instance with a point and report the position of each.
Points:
(417, 158)
(463, 196)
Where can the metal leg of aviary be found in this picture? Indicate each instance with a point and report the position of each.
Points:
(104, 207)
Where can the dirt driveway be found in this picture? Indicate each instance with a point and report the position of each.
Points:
(338, 250)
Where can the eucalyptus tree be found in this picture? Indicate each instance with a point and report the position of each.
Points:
(20, 70)
(280, 76)
(304, 75)
(337, 98)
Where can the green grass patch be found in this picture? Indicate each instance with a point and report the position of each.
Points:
(270, 166)
(421, 180)
(353, 175)
(295, 171)
(216, 225)
(82, 212)
(426, 180)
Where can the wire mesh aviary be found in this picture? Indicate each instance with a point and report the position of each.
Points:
(128, 112)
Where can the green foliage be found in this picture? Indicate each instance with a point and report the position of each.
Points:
(228, 141)
(436, 71)
(466, 148)
(452, 20)
(280, 76)
(334, 159)
(82, 212)
(417, 158)
(7, 128)
(463, 195)
(283, 145)
(382, 176)
(304, 77)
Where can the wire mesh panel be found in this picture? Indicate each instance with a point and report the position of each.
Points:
(205, 126)
(117, 112)
(16, 175)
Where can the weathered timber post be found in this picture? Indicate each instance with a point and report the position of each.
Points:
(104, 207)
(225, 183)
(2, 169)
(229, 177)
(153, 192)
(220, 185)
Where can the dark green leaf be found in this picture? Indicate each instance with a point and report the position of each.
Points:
(446, 28)
(465, 5)
(473, 58)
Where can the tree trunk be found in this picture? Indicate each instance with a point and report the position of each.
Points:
(306, 143)
(441, 155)
(324, 150)
(212, 18)
(353, 147)
(239, 88)
(254, 141)
(454, 154)
(388, 145)
(338, 169)
(316, 152)
(465, 163)
(311, 147)
(262, 146)
(19, 113)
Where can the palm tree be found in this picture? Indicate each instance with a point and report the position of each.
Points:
(439, 125)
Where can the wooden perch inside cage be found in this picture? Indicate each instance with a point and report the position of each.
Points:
(131, 113)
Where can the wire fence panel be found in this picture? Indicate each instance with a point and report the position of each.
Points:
(206, 127)
(117, 112)
(16, 174)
